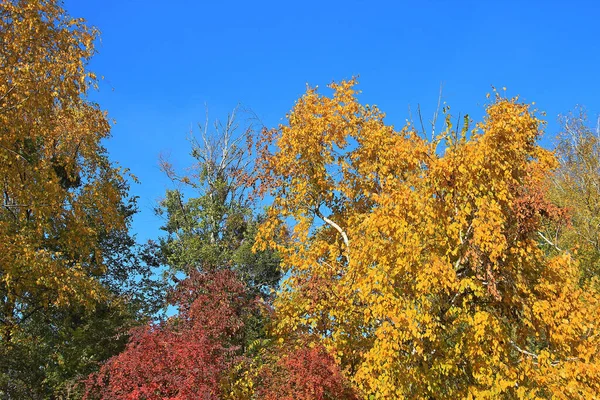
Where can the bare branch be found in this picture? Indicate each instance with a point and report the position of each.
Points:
(549, 241)
(334, 226)
(421, 120)
(436, 113)
(520, 350)
(7, 92)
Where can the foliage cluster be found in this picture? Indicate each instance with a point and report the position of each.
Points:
(386, 265)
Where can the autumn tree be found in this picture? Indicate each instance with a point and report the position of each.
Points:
(216, 345)
(63, 201)
(417, 263)
(63, 345)
(189, 355)
(306, 372)
(575, 186)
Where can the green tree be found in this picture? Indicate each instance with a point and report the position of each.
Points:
(210, 226)
(60, 346)
(210, 221)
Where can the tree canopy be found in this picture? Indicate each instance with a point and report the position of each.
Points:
(418, 263)
(65, 214)
(334, 256)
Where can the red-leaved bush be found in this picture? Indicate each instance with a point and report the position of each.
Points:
(187, 356)
(304, 374)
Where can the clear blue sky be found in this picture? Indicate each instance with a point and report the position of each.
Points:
(164, 60)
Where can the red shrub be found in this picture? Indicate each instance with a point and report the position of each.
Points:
(185, 357)
(304, 374)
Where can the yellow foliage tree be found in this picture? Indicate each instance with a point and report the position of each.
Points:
(422, 272)
(59, 191)
(575, 186)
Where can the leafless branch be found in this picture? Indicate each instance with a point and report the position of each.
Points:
(520, 350)
(549, 241)
(436, 113)
(7, 92)
(421, 120)
(336, 227)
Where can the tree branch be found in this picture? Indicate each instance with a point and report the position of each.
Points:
(334, 226)
(549, 241)
(520, 350)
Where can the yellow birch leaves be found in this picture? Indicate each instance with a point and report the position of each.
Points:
(420, 269)
(60, 193)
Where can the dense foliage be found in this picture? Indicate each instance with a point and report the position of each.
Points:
(68, 261)
(187, 356)
(381, 263)
(421, 269)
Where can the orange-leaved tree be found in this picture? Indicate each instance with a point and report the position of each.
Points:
(417, 263)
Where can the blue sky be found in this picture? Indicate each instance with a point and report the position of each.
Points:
(164, 61)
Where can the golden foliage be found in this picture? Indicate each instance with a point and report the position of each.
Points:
(59, 191)
(421, 272)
